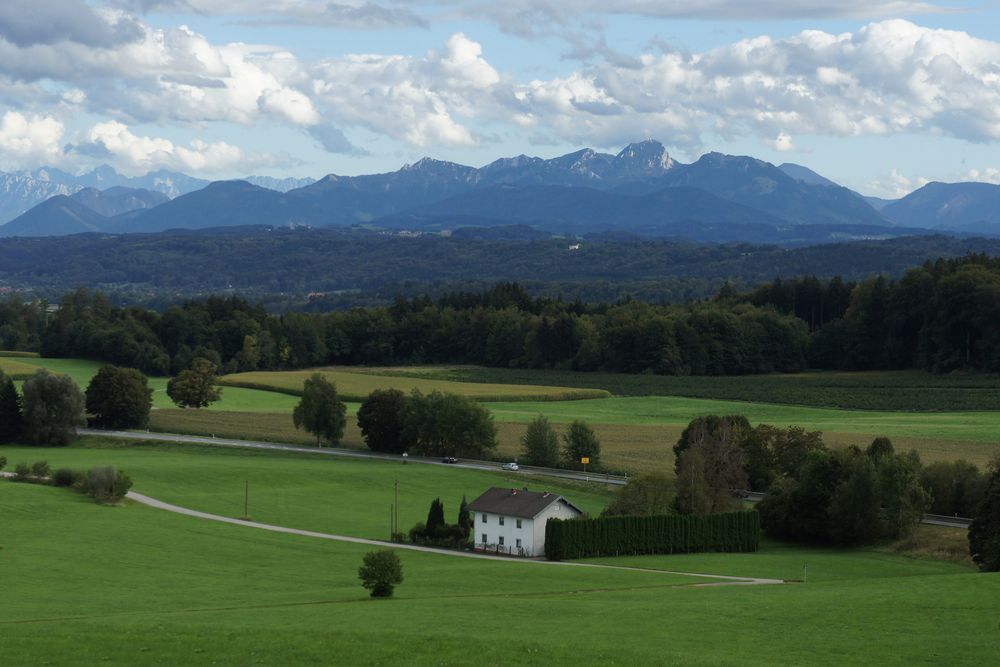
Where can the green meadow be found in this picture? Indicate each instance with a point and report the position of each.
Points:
(86, 584)
(637, 432)
(310, 491)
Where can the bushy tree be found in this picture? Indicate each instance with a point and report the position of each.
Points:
(648, 494)
(53, 408)
(11, 417)
(540, 444)
(381, 419)
(580, 441)
(956, 487)
(729, 428)
(710, 470)
(320, 411)
(119, 398)
(3, 462)
(380, 572)
(107, 483)
(196, 386)
(441, 424)
(984, 533)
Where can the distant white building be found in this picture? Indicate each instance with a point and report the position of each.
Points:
(513, 521)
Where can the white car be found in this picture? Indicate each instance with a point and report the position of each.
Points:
(511, 466)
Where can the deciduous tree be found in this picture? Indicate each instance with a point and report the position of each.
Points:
(581, 442)
(53, 408)
(381, 572)
(119, 398)
(540, 444)
(195, 387)
(320, 411)
(11, 417)
(381, 419)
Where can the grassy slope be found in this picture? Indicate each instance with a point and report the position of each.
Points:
(133, 585)
(356, 386)
(321, 493)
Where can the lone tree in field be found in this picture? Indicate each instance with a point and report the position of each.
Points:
(381, 572)
(195, 387)
(984, 533)
(11, 418)
(380, 418)
(321, 412)
(540, 444)
(581, 442)
(119, 398)
(53, 408)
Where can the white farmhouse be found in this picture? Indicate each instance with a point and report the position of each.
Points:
(512, 521)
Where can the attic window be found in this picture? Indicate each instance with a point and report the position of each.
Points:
(501, 521)
(484, 517)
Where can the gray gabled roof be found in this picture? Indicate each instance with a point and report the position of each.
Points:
(516, 502)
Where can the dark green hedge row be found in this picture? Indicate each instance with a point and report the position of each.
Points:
(665, 534)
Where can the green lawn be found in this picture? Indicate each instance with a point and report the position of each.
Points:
(233, 398)
(85, 584)
(316, 492)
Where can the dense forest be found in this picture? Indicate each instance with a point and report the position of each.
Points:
(941, 316)
(326, 269)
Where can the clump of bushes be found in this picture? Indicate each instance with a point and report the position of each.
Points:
(106, 484)
(3, 462)
(436, 532)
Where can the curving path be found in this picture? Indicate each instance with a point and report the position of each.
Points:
(723, 580)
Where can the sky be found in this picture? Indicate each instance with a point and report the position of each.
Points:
(879, 95)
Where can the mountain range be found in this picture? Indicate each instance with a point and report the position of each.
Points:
(641, 190)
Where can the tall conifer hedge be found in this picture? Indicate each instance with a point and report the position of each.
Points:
(664, 534)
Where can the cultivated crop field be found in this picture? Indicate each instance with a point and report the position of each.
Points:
(88, 584)
(884, 390)
(355, 386)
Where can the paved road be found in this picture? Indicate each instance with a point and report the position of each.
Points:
(159, 504)
(491, 466)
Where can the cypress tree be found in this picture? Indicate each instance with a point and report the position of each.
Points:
(11, 417)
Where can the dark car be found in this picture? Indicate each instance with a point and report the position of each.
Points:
(449, 459)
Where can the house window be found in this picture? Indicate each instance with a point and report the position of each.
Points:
(501, 521)
(484, 518)
(484, 538)
(519, 525)
(519, 543)
(501, 540)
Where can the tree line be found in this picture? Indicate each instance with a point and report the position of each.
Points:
(940, 317)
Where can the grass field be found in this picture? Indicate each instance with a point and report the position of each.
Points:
(882, 390)
(323, 493)
(85, 584)
(355, 386)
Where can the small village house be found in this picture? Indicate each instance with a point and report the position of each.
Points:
(512, 521)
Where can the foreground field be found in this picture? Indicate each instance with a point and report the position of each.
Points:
(356, 384)
(86, 584)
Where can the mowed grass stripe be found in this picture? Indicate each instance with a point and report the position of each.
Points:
(355, 386)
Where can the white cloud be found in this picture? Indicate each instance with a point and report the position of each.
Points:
(134, 154)
(896, 185)
(30, 140)
(985, 175)
(783, 142)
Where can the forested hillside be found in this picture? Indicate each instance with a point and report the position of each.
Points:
(330, 268)
(941, 316)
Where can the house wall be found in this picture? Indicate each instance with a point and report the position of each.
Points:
(509, 531)
(559, 510)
